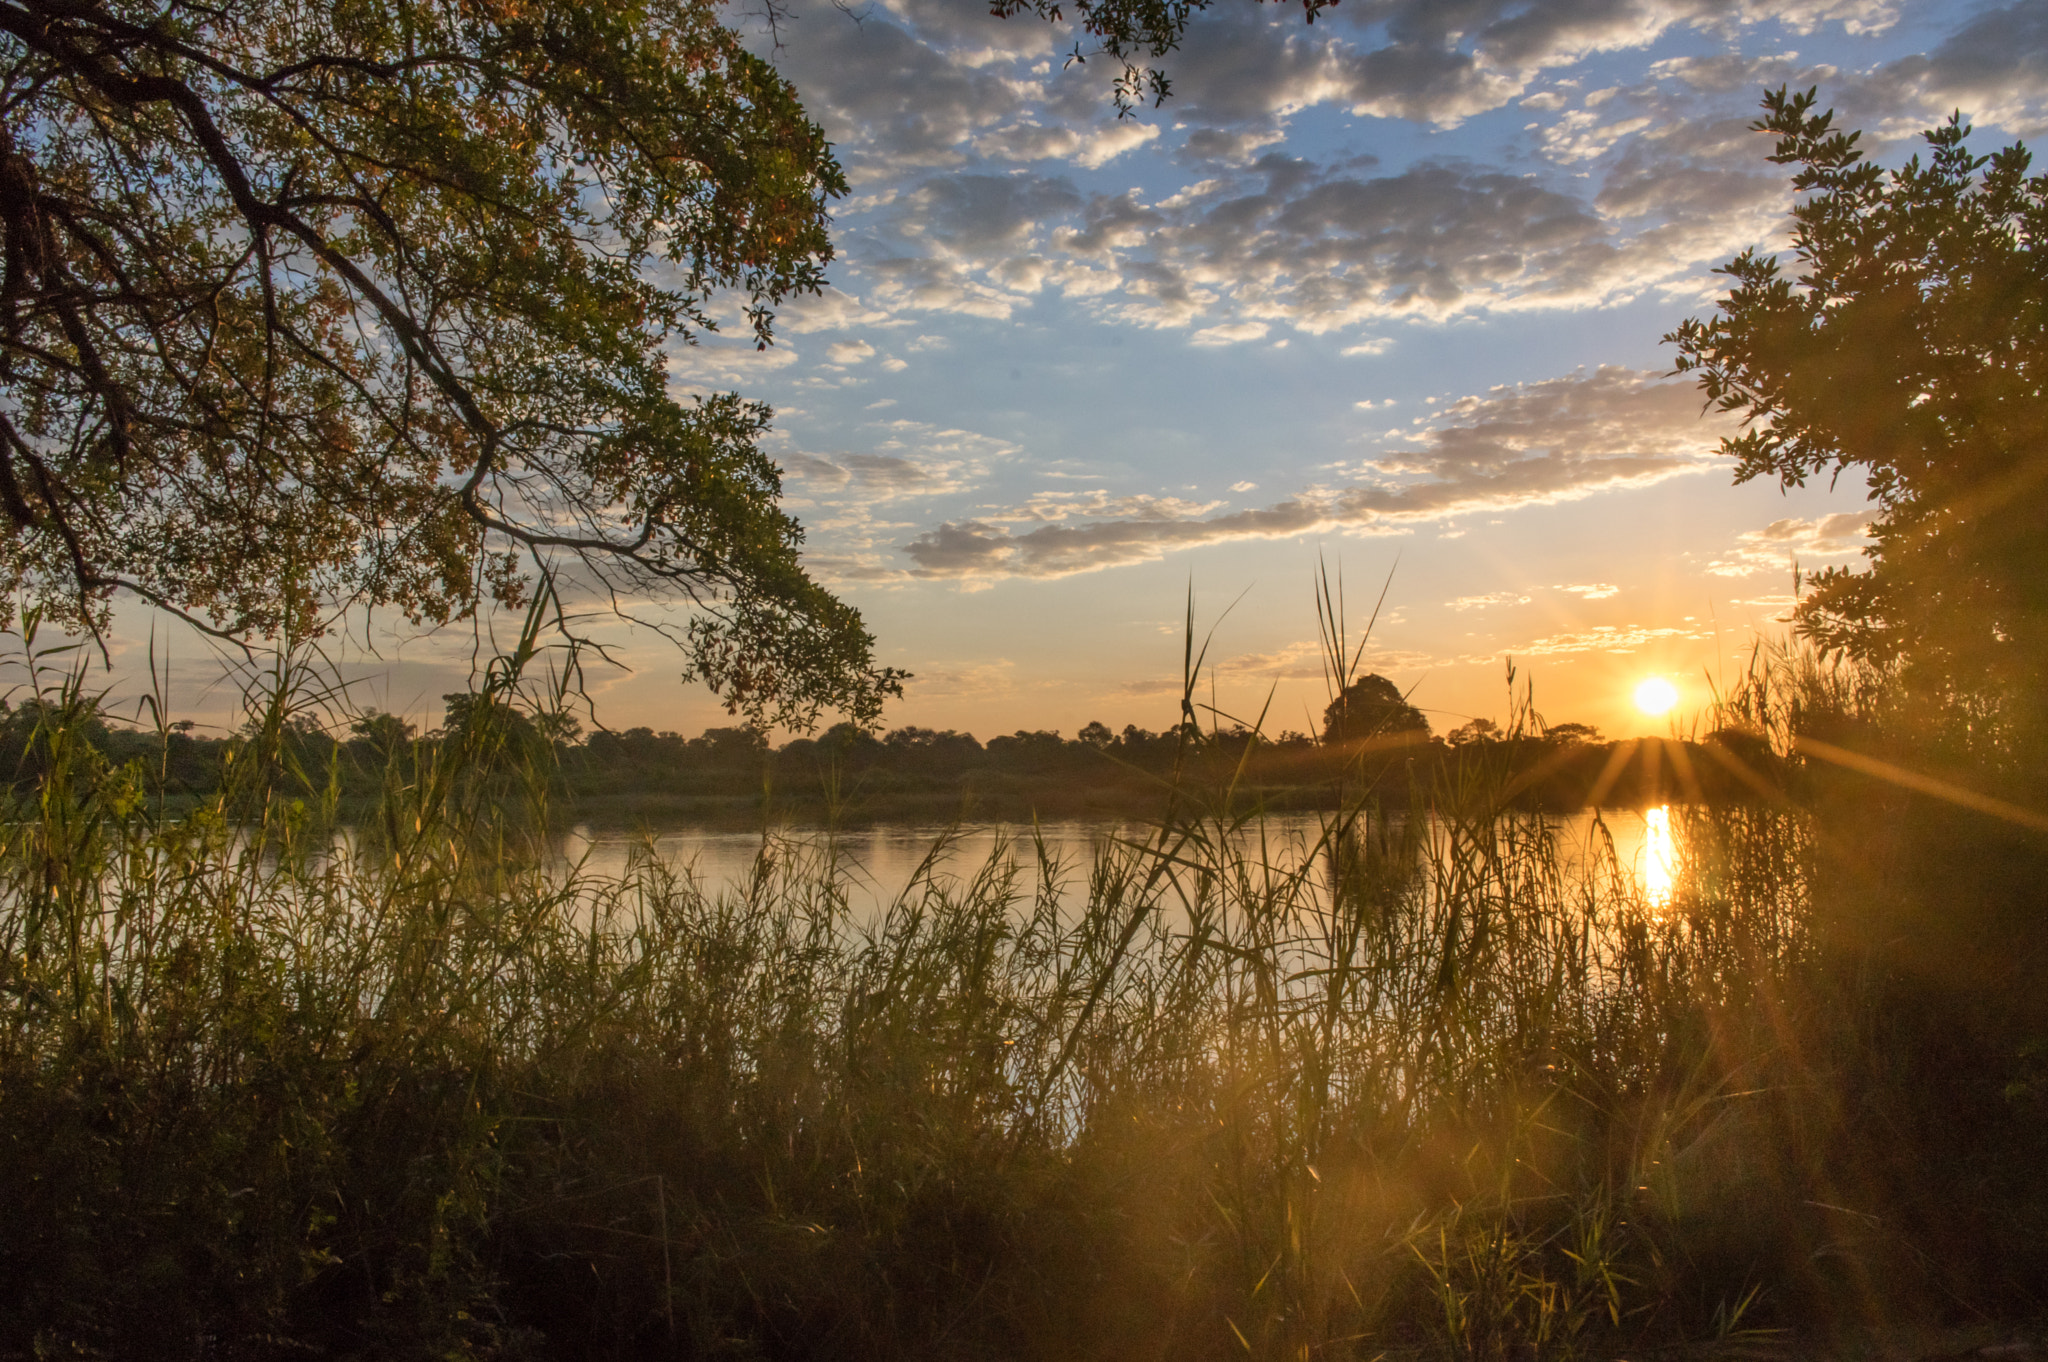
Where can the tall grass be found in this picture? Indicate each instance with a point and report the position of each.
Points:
(1425, 1085)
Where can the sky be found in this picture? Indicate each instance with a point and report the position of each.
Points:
(1383, 293)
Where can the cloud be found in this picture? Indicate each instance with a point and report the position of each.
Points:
(1557, 440)
(1674, 180)
(1229, 334)
(1089, 147)
(1321, 248)
(1598, 591)
(716, 361)
(1053, 507)
(1228, 147)
(911, 460)
(1601, 638)
(1777, 546)
(829, 310)
(957, 678)
(979, 215)
(867, 478)
(850, 352)
(890, 94)
(1491, 599)
(1994, 68)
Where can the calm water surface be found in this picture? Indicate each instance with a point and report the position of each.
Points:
(878, 862)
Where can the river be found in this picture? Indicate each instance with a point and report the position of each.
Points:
(878, 861)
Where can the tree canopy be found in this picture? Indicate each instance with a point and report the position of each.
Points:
(1910, 345)
(1372, 708)
(371, 302)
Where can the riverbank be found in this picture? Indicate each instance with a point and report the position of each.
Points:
(1424, 1087)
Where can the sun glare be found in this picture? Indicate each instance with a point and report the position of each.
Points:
(1660, 855)
(1656, 695)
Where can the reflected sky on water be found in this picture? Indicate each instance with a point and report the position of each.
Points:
(877, 862)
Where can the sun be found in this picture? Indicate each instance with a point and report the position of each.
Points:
(1655, 695)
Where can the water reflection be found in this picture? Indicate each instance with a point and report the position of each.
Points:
(1659, 860)
(875, 863)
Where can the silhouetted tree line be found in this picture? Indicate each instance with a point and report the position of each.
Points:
(1370, 736)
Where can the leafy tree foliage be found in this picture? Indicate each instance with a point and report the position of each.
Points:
(307, 301)
(1373, 708)
(1910, 345)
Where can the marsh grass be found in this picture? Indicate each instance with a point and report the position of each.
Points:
(1426, 1086)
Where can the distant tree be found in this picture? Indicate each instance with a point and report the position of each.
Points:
(1911, 348)
(1569, 734)
(467, 713)
(1096, 734)
(1477, 730)
(1028, 749)
(383, 735)
(1373, 708)
(847, 739)
(739, 744)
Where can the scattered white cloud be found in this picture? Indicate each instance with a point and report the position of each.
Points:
(1538, 443)
(1601, 638)
(1089, 147)
(1490, 599)
(830, 310)
(850, 352)
(1782, 543)
(1230, 334)
(868, 478)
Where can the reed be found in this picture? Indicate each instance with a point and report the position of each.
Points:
(1424, 1084)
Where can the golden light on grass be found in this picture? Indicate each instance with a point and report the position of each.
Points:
(1655, 695)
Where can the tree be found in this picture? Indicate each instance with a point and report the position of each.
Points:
(1911, 347)
(1572, 735)
(1373, 709)
(1475, 730)
(307, 302)
(384, 735)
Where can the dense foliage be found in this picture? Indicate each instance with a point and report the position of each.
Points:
(847, 773)
(307, 303)
(1908, 347)
(1372, 709)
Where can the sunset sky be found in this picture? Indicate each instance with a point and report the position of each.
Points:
(1386, 292)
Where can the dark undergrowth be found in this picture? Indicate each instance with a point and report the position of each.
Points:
(270, 1087)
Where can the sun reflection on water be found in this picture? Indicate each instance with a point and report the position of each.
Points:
(1659, 857)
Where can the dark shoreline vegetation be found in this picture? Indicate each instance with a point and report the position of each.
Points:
(733, 776)
(435, 1094)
